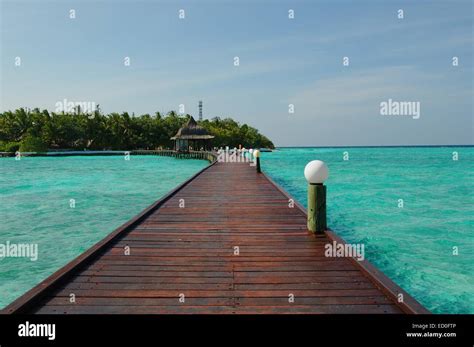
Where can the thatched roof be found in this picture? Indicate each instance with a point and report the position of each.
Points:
(192, 131)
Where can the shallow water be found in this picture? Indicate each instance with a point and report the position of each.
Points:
(412, 244)
(35, 196)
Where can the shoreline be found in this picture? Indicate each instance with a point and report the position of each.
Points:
(203, 155)
(146, 151)
(381, 146)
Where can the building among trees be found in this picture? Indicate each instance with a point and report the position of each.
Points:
(192, 137)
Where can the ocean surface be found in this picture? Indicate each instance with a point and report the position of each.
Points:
(412, 241)
(35, 206)
(412, 244)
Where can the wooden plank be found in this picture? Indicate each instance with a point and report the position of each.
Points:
(122, 309)
(322, 300)
(124, 279)
(194, 293)
(158, 273)
(111, 301)
(70, 287)
(290, 309)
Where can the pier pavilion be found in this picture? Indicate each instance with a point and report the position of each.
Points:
(192, 136)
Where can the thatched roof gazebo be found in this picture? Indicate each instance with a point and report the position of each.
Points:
(191, 135)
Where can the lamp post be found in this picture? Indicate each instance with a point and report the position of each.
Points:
(316, 172)
(256, 154)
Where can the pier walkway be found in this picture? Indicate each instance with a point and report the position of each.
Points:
(226, 241)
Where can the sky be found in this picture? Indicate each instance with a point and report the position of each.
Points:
(282, 61)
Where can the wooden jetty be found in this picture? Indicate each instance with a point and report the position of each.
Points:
(206, 155)
(224, 242)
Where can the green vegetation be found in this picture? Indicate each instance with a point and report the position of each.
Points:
(37, 131)
(32, 144)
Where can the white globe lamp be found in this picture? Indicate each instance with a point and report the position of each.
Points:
(316, 172)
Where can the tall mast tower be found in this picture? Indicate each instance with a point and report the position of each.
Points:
(200, 110)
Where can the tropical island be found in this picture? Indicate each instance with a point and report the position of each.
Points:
(38, 130)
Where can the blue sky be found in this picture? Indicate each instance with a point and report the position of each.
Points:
(282, 61)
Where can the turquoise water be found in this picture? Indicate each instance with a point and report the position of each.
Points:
(35, 198)
(413, 245)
